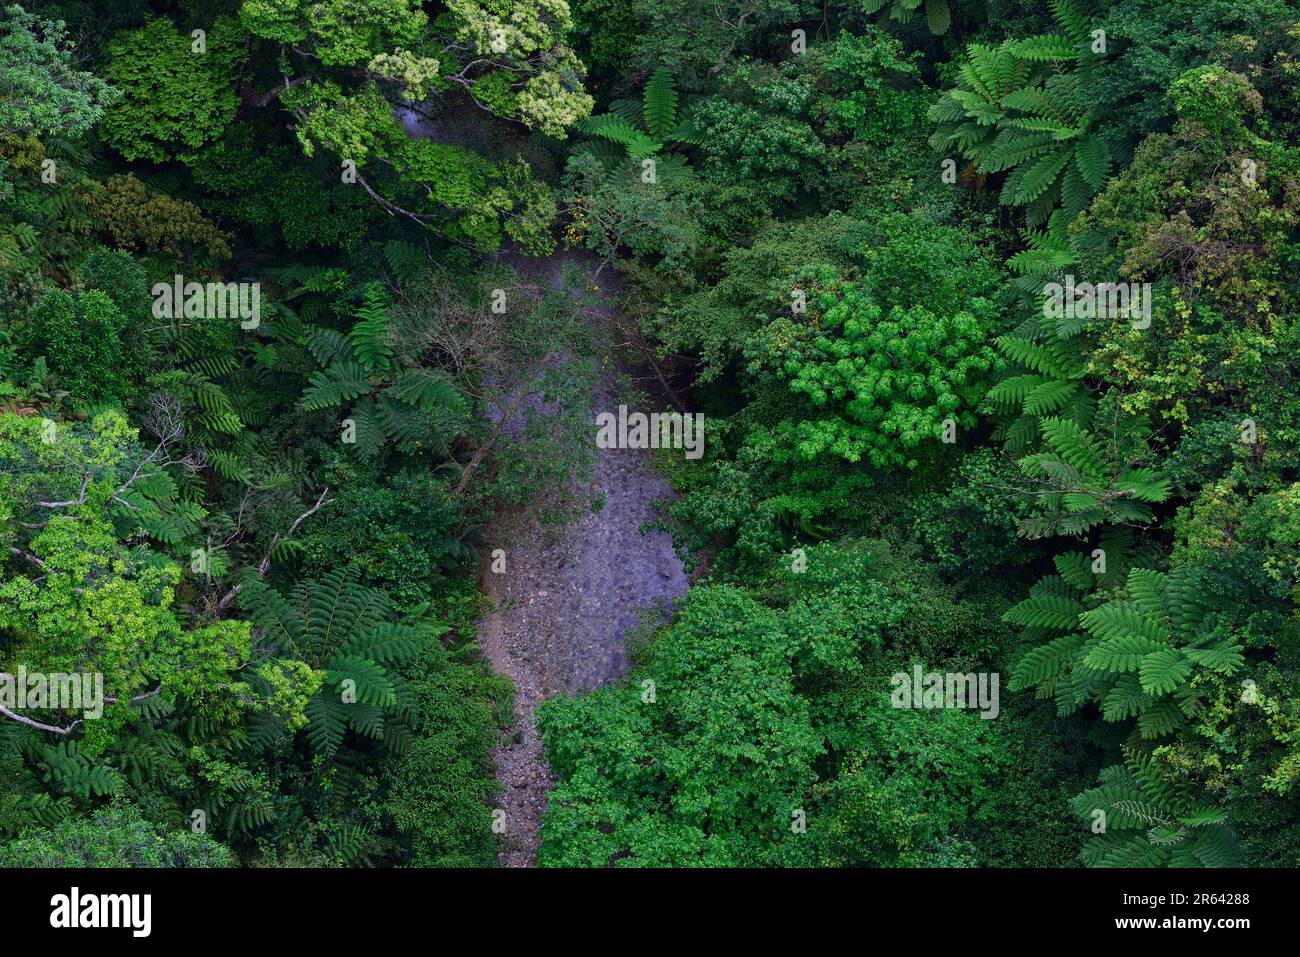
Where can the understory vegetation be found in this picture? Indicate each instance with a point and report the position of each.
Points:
(878, 245)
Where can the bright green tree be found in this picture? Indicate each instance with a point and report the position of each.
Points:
(42, 93)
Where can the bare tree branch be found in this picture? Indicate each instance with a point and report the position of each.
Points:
(21, 719)
(265, 564)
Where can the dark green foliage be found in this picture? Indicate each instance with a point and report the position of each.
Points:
(913, 782)
(400, 531)
(1146, 822)
(971, 526)
(747, 716)
(80, 338)
(118, 836)
(266, 537)
(1155, 42)
(1021, 109)
(441, 787)
(349, 631)
(938, 13)
(678, 35)
(606, 32)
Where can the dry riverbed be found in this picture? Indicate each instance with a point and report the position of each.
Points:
(566, 600)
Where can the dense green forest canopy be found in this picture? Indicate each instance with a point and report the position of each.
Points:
(268, 368)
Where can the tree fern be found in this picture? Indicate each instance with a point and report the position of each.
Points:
(69, 772)
(369, 333)
(1019, 108)
(1137, 653)
(371, 432)
(1139, 819)
(335, 385)
(616, 129)
(938, 13)
(1084, 481)
(352, 634)
(660, 104)
(230, 466)
(359, 375)
(657, 125)
(1080, 476)
(424, 390)
(327, 345)
(349, 844)
(407, 260)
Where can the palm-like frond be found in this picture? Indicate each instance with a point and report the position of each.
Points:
(351, 632)
(659, 103)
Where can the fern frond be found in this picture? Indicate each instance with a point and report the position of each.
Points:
(339, 383)
(659, 101)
